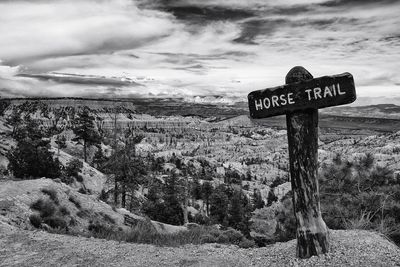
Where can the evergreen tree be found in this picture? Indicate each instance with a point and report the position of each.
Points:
(128, 169)
(32, 156)
(196, 189)
(14, 120)
(219, 203)
(99, 159)
(173, 191)
(240, 212)
(206, 191)
(271, 198)
(84, 129)
(61, 142)
(258, 202)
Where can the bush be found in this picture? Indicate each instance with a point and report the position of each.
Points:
(35, 220)
(67, 179)
(79, 178)
(108, 218)
(51, 193)
(73, 168)
(208, 239)
(45, 207)
(98, 228)
(233, 236)
(201, 219)
(64, 211)
(55, 222)
(246, 243)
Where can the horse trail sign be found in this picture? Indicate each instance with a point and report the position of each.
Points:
(300, 100)
(316, 93)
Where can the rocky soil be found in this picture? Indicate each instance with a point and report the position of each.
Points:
(38, 248)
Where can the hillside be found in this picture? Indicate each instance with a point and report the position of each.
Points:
(26, 248)
(202, 165)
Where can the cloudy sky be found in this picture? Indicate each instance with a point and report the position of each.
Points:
(130, 48)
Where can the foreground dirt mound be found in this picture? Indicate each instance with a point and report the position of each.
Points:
(38, 248)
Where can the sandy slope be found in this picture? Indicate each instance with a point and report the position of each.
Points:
(37, 248)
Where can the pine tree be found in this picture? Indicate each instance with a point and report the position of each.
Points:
(196, 189)
(258, 202)
(14, 120)
(84, 129)
(240, 212)
(206, 191)
(32, 156)
(219, 205)
(61, 142)
(271, 198)
(128, 169)
(99, 159)
(173, 209)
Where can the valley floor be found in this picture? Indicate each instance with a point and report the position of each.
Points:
(37, 248)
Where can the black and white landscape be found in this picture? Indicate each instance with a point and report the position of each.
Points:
(126, 138)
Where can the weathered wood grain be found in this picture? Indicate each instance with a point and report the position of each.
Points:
(302, 131)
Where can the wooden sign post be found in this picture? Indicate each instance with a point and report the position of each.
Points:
(300, 99)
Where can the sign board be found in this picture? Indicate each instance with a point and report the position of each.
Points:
(316, 93)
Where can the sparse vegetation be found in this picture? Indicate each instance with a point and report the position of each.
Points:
(51, 193)
(144, 232)
(49, 213)
(46, 207)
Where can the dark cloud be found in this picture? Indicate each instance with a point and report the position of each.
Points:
(204, 14)
(335, 3)
(252, 28)
(81, 79)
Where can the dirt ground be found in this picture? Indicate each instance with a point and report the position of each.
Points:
(37, 248)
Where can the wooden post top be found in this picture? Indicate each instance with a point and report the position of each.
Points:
(298, 74)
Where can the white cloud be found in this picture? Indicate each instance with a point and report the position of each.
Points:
(177, 57)
(40, 29)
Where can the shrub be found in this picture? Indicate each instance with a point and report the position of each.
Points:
(98, 228)
(233, 236)
(201, 219)
(73, 222)
(246, 243)
(67, 179)
(223, 238)
(73, 168)
(35, 220)
(108, 218)
(55, 222)
(51, 193)
(64, 211)
(208, 239)
(79, 178)
(75, 201)
(45, 207)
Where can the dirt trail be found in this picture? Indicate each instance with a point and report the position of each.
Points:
(38, 248)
